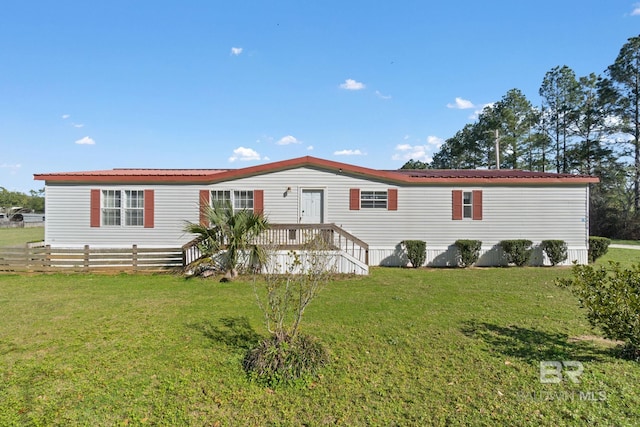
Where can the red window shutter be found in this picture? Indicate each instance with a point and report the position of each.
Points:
(258, 201)
(477, 204)
(392, 199)
(149, 208)
(354, 199)
(456, 196)
(204, 202)
(95, 208)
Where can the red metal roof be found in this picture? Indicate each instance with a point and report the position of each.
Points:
(482, 173)
(400, 176)
(135, 173)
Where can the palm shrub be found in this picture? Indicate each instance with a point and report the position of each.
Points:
(517, 251)
(610, 296)
(229, 236)
(556, 250)
(416, 252)
(468, 251)
(598, 246)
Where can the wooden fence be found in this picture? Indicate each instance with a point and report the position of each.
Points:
(36, 258)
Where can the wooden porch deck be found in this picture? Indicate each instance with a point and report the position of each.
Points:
(285, 237)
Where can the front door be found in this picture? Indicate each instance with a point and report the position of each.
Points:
(311, 207)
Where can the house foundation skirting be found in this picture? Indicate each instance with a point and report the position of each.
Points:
(447, 256)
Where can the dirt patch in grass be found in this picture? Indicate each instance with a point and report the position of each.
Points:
(596, 340)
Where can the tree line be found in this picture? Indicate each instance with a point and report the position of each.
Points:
(33, 202)
(584, 125)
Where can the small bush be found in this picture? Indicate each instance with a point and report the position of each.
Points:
(468, 251)
(416, 252)
(517, 251)
(556, 250)
(277, 362)
(598, 246)
(610, 296)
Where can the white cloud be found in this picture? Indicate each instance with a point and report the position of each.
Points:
(461, 104)
(419, 152)
(381, 96)
(310, 148)
(348, 153)
(65, 116)
(8, 166)
(636, 10)
(85, 141)
(244, 154)
(478, 111)
(78, 125)
(351, 84)
(434, 140)
(235, 51)
(289, 139)
(265, 138)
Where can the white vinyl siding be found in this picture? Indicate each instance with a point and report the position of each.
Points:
(68, 218)
(535, 211)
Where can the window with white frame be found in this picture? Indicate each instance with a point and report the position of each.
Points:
(127, 204)
(239, 199)
(111, 207)
(373, 199)
(467, 204)
(220, 197)
(243, 200)
(134, 208)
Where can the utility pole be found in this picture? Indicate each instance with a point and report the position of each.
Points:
(497, 133)
(497, 149)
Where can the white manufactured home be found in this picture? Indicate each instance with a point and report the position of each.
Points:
(368, 212)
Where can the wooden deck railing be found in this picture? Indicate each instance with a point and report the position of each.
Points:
(296, 236)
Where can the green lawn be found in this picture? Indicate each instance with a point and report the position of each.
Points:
(409, 347)
(626, 242)
(626, 257)
(20, 236)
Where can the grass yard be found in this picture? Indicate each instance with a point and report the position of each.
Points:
(626, 257)
(20, 236)
(409, 347)
(626, 242)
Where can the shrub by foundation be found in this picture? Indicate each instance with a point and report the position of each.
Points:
(598, 246)
(468, 252)
(416, 252)
(556, 250)
(517, 251)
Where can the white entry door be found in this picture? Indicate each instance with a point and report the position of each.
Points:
(311, 206)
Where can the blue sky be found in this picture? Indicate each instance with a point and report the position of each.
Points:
(88, 85)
